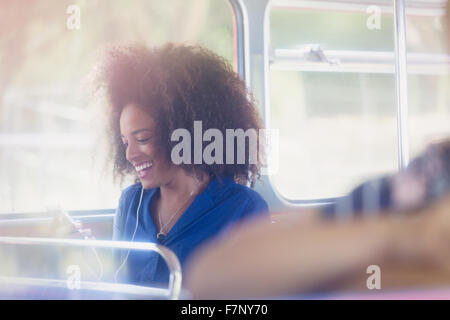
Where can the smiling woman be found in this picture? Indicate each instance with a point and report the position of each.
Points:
(152, 93)
(137, 129)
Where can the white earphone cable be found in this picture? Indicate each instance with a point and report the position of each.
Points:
(132, 238)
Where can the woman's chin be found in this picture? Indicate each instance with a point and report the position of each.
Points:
(147, 185)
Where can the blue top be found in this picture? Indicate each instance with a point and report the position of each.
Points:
(215, 210)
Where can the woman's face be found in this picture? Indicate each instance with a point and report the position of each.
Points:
(138, 131)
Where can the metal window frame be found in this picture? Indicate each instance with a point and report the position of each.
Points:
(401, 82)
(252, 22)
(379, 62)
(414, 7)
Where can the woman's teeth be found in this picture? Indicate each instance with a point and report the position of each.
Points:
(143, 166)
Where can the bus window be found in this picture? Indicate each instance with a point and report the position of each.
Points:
(49, 130)
(428, 95)
(333, 92)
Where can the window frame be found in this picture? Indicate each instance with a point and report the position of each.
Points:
(253, 34)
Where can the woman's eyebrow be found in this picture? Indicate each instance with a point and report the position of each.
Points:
(139, 130)
(136, 132)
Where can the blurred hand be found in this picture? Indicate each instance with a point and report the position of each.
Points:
(424, 238)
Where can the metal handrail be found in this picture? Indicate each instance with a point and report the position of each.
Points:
(401, 83)
(43, 214)
(306, 58)
(413, 7)
(88, 285)
(16, 222)
(172, 292)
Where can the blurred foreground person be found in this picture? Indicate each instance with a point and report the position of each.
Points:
(425, 180)
(303, 253)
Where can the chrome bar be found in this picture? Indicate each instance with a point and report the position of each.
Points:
(107, 216)
(88, 285)
(98, 213)
(431, 8)
(303, 59)
(242, 40)
(240, 30)
(24, 222)
(174, 287)
(45, 220)
(401, 81)
(255, 15)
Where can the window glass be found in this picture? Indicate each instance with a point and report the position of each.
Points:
(339, 30)
(428, 95)
(51, 145)
(332, 93)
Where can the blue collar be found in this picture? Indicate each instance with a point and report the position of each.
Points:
(202, 203)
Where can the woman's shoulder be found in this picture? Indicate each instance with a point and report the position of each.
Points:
(134, 191)
(245, 195)
(251, 194)
(130, 191)
(251, 202)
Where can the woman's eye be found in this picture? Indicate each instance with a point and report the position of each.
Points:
(143, 140)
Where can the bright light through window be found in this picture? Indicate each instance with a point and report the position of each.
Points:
(332, 89)
(51, 143)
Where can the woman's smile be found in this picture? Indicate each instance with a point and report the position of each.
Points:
(143, 169)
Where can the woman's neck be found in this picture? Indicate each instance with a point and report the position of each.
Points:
(175, 196)
(181, 186)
